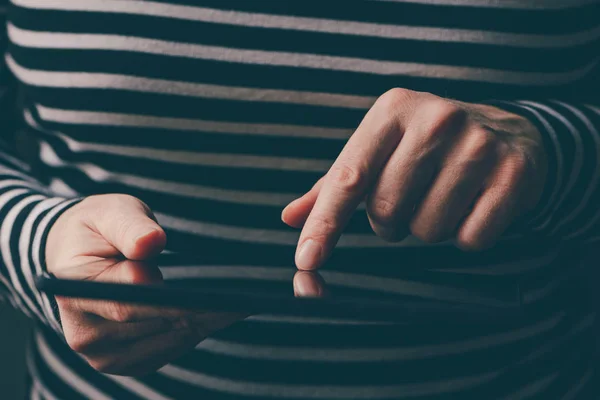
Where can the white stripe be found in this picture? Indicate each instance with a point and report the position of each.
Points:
(538, 294)
(6, 232)
(36, 376)
(98, 175)
(36, 244)
(60, 188)
(348, 280)
(508, 268)
(353, 28)
(321, 391)
(67, 375)
(17, 183)
(254, 235)
(187, 124)
(593, 108)
(201, 159)
(138, 388)
(517, 4)
(375, 354)
(314, 320)
(35, 394)
(594, 183)
(27, 180)
(551, 345)
(270, 236)
(574, 391)
(559, 158)
(532, 388)
(18, 163)
(91, 80)
(578, 154)
(77, 41)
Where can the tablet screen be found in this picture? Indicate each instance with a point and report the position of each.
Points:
(366, 293)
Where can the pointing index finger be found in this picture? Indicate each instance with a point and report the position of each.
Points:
(346, 185)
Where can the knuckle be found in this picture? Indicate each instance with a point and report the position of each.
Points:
(382, 211)
(442, 117)
(119, 312)
(396, 99)
(79, 340)
(480, 145)
(519, 163)
(348, 179)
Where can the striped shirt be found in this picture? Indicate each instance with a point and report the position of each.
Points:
(217, 113)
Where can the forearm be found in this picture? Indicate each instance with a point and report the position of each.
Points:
(27, 210)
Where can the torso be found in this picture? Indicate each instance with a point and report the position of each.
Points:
(218, 113)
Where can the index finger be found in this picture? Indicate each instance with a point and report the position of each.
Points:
(346, 184)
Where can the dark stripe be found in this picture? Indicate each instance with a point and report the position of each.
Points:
(548, 21)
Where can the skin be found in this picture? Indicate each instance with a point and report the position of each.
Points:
(435, 168)
(113, 238)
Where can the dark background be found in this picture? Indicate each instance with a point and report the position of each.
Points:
(14, 332)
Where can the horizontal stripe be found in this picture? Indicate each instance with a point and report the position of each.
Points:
(271, 21)
(29, 38)
(521, 4)
(98, 174)
(281, 319)
(322, 392)
(219, 346)
(533, 388)
(115, 81)
(191, 158)
(513, 267)
(138, 388)
(38, 384)
(568, 19)
(65, 374)
(183, 124)
(575, 390)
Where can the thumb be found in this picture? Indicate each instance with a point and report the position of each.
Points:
(296, 213)
(128, 225)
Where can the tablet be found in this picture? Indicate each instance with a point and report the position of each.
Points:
(270, 290)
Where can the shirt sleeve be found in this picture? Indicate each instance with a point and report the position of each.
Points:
(27, 211)
(570, 206)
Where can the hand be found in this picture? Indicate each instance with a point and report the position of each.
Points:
(99, 239)
(436, 168)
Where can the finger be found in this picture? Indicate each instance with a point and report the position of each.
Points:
(405, 178)
(122, 272)
(460, 180)
(309, 284)
(495, 209)
(148, 354)
(296, 213)
(144, 356)
(87, 333)
(347, 181)
(130, 227)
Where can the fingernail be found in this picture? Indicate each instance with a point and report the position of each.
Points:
(309, 255)
(143, 232)
(305, 286)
